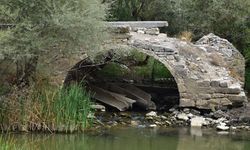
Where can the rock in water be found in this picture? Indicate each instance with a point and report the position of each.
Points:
(197, 121)
(153, 126)
(98, 107)
(222, 127)
(151, 114)
(182, 116)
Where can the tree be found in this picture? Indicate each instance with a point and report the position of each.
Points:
(64, 26)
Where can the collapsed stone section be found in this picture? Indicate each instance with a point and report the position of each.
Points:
(209, 74)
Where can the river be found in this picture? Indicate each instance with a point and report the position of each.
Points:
(138, 139)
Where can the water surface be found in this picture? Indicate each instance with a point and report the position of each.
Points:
(139, 139)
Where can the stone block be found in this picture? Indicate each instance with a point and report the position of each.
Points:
(237, 98)
(139, 24)
(228, 90)
(186, 95)
(217, 95)
(152, 31)
(170, 57)
(215, 83)
(220, 102)
(204, 83)
(201, 103)
(205, 96)
(225, 102)
(182, 88)
(197, 121)
(224, 84)
(187, 103)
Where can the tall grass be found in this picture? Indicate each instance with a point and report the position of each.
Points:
(43, 107)
(72, 106)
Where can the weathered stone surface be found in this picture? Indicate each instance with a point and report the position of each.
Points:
(152, 31)
(237, 98)
(200, 83)
(222, 126)
(215, 83)
(182, 116)
(187, 102)
(151, 114)
(218, 95)
(224, 84)
(204, 83)
(197, 121)
(140, 24)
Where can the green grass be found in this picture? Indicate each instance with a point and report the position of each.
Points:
(160, 71)
(46, 108)
(72, 106)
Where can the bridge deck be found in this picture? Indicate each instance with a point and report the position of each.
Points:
(140, 24)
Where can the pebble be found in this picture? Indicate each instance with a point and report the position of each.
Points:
(151, 114)
(222, 126)
(153, 126)
(163, 117)
(190, 115)
(182, 116)
(134, 123)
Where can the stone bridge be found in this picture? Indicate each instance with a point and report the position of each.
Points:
(209, 74)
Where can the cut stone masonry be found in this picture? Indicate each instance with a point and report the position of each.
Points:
(209, 74)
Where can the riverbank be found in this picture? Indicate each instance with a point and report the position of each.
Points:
(229, 120)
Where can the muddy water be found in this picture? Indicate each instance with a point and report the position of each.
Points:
(138, 139)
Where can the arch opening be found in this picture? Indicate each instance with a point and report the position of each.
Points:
(138, 80)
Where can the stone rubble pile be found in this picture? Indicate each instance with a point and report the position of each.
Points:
(219, 120)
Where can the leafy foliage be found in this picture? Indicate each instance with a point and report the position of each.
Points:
(63, 25)
(224, 18)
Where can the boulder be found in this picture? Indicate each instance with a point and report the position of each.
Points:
(182, 116)
(151, 114)
(222, 127)
(197, 122)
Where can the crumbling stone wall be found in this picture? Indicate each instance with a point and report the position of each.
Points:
(209, 74)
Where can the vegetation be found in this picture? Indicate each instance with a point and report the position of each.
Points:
(151, 70)
(49, 26)
(8, 144)
(37, 28)
(70, 26)
(45, 108)
(227, 19)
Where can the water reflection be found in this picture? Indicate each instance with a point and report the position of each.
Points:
(139, 139)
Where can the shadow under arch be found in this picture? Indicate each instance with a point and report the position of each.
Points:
(164, 94)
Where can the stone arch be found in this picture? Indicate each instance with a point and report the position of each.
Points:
(86, 66)
(209, 74)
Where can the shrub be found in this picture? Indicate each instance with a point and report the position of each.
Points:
(62, 27)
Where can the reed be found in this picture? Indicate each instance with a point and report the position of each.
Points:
(72, 107)
(45, 108)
